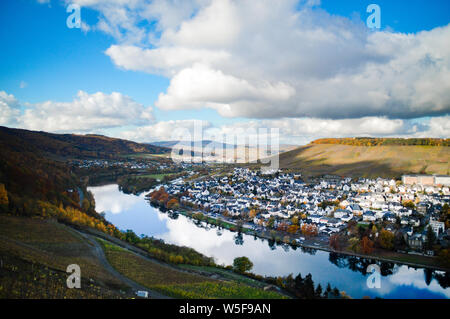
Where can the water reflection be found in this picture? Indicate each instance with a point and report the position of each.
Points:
(348, 273)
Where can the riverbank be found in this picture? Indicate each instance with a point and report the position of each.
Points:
(412, 260)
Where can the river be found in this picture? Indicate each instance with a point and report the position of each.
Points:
(346, 273)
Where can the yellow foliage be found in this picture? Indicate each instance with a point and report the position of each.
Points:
(3, 195)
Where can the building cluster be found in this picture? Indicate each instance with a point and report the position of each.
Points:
(330, 203)
(130, 164)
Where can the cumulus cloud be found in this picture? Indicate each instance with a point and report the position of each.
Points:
(9, 109)
(165, 131)
(284, 61)
(291, 130)
(86, 113)
(201, 86)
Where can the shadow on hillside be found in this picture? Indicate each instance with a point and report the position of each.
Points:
(318, 167)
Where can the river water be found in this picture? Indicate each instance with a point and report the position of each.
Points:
(346, 273)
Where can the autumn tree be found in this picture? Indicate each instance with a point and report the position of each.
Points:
(337, 242)
(282, 227)
(173, 204)
(366, 245)
(293, 229)
(85, 205)
(408, 204)
(271, 222)
(3, 195)
(354, 244)
(386, 239)
(309, 230)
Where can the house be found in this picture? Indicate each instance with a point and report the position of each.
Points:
(415, 222)
(422, 208)
(390, 217)
(380, 214)
(315, 218)
(416, 241)
(339, 213)
(369, 216)
(142, 294)
(355, 209)
(437, 226)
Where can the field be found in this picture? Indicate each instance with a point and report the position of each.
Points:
(183, 284)
(34, 255)
(227, 274)
(367, 161)
(143, 271)
(157, 176)
(26, 280)
(226, 290)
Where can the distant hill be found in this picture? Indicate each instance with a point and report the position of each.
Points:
(72, 145)
(374, 141)
(203, 143)
(355, 158)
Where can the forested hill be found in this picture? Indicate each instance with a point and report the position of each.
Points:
(372, 141)
(33, 181)
(369, 157)
(72, 145)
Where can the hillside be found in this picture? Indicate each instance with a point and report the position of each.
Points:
(35, 253)
(320, 157)
(72, 145)
(35, 183)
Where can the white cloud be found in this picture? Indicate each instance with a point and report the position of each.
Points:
(164, 131)
(117, 203)
(9, 109)
(406, 276)
(23, 84)
(198, 86)
(436, 127)
(294, 130)
(327, 66)
(86, 113)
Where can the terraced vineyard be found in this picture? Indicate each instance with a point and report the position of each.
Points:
(389, 161)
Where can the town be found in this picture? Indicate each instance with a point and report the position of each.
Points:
(397, 214)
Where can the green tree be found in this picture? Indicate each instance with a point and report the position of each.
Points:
(328, 291)
(242, 264)
(431, 238)
(319, 291)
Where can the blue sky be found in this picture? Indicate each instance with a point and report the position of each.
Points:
(43, 60)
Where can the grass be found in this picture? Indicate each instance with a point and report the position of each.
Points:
(216, 290)
(227, 274)
(157, 176)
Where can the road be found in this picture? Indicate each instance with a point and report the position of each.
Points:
(99, 253)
